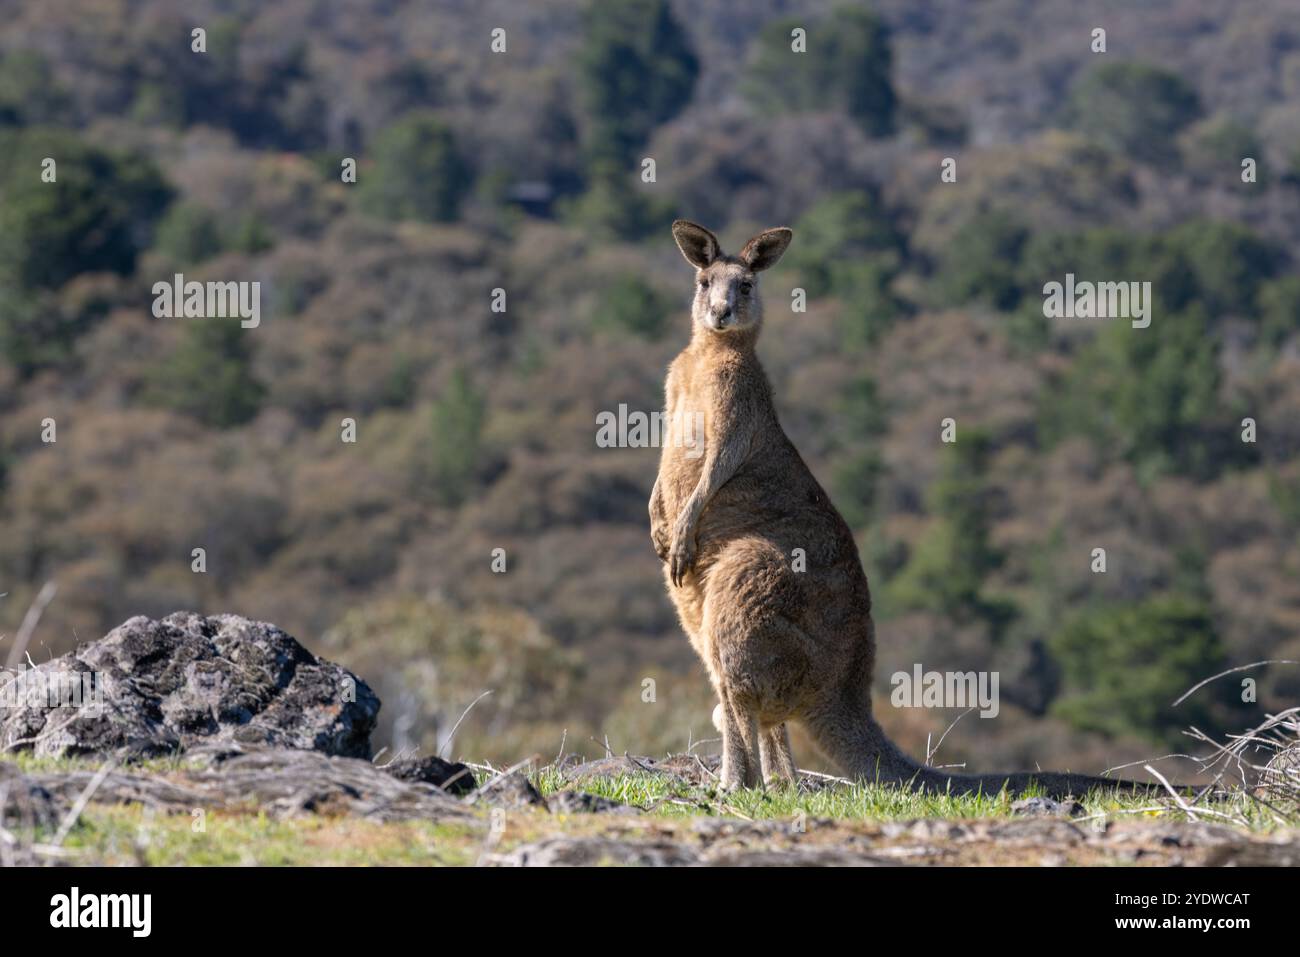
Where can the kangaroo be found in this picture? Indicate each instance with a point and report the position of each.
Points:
(779, 645)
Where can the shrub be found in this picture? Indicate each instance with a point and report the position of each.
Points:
(456, 428)
(846, 66)
(417, 174)
(96, 216)
(980, 265)
(849, 248)
(29, 95)
(1152, 394)
(614, 207)
(637, 70)
(188, 234)
(946, 573)
(1279, 309)
(210, 377)
(631, 304)
(1133, 108)
(836, 235)
(1123, 666)
(856, 464)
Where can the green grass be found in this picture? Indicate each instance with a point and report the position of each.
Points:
(128, 834)
(132, 834)
(663, 796)
(29, 763)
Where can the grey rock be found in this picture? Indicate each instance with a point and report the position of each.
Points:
(592, 851)
(187, 680)
(1030, 831)
(1255, 854)
(934, 829)
(579, 802)
(686, 769)
(27, 803)
(512, 791)
(1046, 807)
(452, 776)
(1185, 834)
(280, 781)
(796, 856)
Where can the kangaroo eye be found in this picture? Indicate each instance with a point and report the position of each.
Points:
(746, 287)
(704, 284)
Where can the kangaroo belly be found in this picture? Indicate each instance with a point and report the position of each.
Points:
(789, 511)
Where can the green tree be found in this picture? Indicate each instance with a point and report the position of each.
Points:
(836, 235)
(1133, 108)
(456, 437)
(417, 174)
(856, 462)
(1124, 666)
(947, 571)
(1218, 267)
(1150, 394)
(614, 207)
(981, 263)
(41, 328)
(637, 71)
(849, 248)
(846, 66)
(1228, 262)
(96, 216)
(188, 234)
(265, 94)
(630, 304)
(29, 94)
(1109, 253)
(1214, 150)
(1279, 309)
(210, 376)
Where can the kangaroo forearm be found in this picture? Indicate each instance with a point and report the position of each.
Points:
(660, 533)
(656, 505)
(719, 467)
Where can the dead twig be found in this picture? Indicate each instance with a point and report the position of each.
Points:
(447, 740)
(30, 620)
(1184, 806)
(929, 753)
(637, 763)
(74, 812)
(1199, 685)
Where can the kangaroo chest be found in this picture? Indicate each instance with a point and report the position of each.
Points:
(695, 415)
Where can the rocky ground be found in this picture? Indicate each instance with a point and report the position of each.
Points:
(220, 740)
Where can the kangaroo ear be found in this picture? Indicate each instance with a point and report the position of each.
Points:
(698, 245)
(766, 248)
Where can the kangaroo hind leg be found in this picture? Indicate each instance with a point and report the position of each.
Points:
(775, 755)
(741, 764)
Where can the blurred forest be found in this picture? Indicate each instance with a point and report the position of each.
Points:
(521, 171)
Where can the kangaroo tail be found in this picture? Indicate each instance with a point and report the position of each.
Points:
(866, 753)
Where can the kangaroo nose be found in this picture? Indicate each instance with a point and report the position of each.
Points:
(722, 315)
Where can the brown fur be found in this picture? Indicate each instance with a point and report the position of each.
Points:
(779, 645)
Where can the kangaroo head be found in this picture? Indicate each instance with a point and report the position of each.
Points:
(726, 287)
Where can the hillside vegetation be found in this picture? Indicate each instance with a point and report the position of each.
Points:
(500, 273)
